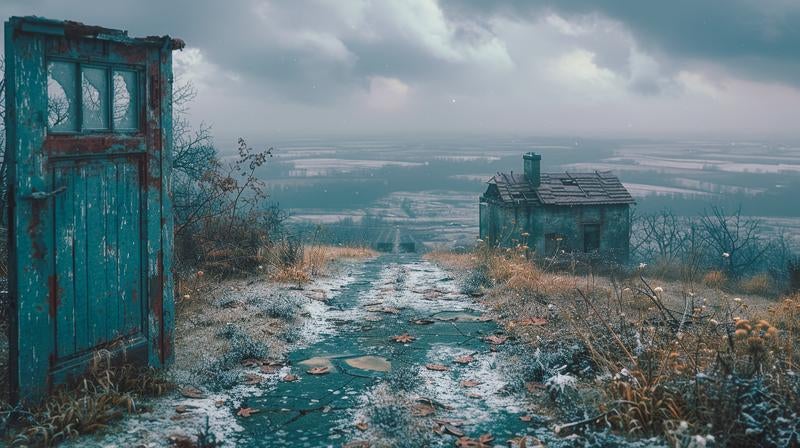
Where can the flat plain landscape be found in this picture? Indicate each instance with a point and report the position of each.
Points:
(431, 186)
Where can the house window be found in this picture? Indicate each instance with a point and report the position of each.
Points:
(591, 237)
(554, 243)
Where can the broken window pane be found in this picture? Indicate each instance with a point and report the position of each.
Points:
(125, 112)
(94, 86)
(62, 107)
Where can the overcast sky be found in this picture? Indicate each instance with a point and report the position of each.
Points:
(677, 68)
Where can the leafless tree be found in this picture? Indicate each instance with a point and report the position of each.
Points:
(735, 239)
(666, 233)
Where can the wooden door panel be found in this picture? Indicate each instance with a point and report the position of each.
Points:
(90, 214)
(98, 260)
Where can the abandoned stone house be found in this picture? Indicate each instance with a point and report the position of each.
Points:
(554, 212)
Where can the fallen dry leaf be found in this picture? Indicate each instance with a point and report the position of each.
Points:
(452, 430)
(183, 408)
(465, 359)
(362, 426)
(483, 441)
(474, 395)
(252, 378)
(437, 367)
(422, 410)
(469, 383)
(318, 370)
(251, 362)
(404, 338)
(449, 421)
(496, 339)
(535, 321)
(219, 403)
(192, 392)
(246, 412)
(517, 442)
(525, 418)
(522, 442)
(269, 369)
(290, 377)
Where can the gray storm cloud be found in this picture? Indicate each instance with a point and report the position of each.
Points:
(530, 67)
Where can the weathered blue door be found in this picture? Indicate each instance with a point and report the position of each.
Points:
(89, 139)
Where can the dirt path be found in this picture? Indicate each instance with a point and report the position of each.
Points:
(401, 393)
(443, 382)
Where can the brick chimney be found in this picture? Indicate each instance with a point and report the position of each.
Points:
(533, 168)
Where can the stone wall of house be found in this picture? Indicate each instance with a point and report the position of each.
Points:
(555, 228)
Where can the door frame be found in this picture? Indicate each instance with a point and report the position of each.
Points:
(29, 42)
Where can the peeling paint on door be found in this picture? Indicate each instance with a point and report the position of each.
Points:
(89, 139)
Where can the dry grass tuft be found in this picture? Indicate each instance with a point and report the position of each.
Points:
(715, 279)
(652, 359)
(509, 269)
(453, 260)
(315, 262)
(105, 395)
(760, 284)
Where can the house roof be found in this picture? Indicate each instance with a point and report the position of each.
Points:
(597, 188)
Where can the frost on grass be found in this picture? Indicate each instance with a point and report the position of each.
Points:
(476, 280)
(281, 306)
(404, 379)
(221, 371)
(526, 365)
(391, 422)
(227, 300)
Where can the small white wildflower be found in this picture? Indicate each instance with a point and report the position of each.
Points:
(658, 289)
(713, 322)
(642, 265)
(737, 299)
(726, 255)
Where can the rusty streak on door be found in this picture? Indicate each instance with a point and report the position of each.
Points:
(89, 120)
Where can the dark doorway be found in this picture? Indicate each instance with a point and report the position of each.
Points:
(591, 238)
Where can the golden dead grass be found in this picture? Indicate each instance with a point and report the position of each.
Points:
(106, 394)
(316, 261)
(757, 284)
(714, 279)
(452, 260)
(652, 339)
(509, 269)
